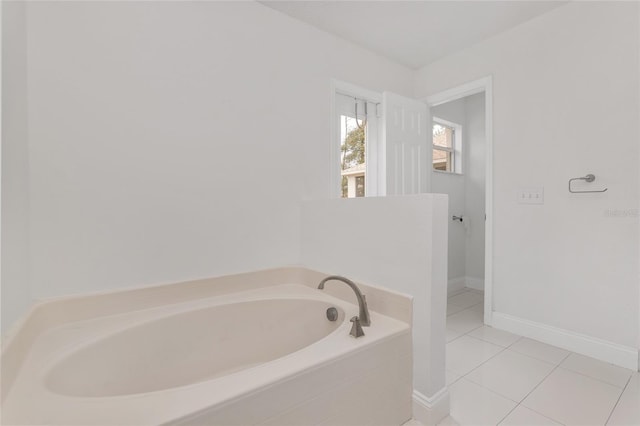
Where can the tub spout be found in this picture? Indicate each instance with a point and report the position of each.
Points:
(363, 315)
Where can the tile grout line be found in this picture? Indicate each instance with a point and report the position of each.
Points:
(475, 368)
(480, 365)
(544, 360)
(483, 363)
(463, 309)
(457, 292)
(524, 406)
(518, 403)
(465, 334)
(468, 334)
(618, 400)
(537, 386)
(470, 331)
(595, 378)
(490, 391)
(563, 360)
(564, 368)
(460, 376)
(556, 367)
(484, 341)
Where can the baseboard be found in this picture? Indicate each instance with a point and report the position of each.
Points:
(474, 283)
(458, 285)
(613, 353)
(455, 286)
(430, 411)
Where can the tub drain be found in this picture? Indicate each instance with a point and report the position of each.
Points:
(332, 314)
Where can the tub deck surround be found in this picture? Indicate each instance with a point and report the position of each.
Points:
(278, 342)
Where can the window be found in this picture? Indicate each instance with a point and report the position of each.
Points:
(443, 152)
(358, 133)
(447, 146)
(352, 156)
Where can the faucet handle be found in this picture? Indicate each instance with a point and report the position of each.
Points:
(356, 328)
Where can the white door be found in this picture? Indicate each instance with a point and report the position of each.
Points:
(407, 145)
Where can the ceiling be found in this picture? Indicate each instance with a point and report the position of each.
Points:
(414, 33)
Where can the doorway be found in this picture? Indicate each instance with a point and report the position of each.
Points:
(462, 168)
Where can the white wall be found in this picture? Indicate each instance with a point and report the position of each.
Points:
(466, 192)
(396, 242)
(173, 140)
(15, 165)
(565, 104)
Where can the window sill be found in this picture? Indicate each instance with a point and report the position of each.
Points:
(447, 173)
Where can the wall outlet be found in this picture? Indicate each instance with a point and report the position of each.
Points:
(530, 195)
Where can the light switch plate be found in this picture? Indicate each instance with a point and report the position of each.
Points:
(530, 195)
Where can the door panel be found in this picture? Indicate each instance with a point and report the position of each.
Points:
(407, 136)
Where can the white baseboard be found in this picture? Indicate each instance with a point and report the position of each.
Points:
(455, 285)
(613, 353)
(474, 283)
(430, 411)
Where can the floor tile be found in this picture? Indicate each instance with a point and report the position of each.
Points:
(596, 369)
(412, 422)
(465, 321)
(466, 299)
(522, 416)
(450, 294)
(452, 309)
(452, 376)
(453, 334)
(511, 374)
(495, 336)
(540, 350)
(627, 411)
(448, 421)
(478, 308)
(474, 405)
(573, 399)
(466, 353)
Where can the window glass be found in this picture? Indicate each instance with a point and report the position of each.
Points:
(446, 149)
(352, 156)
(441, 160)
(443, 135)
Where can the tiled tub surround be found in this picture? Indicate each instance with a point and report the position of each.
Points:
(140, 357)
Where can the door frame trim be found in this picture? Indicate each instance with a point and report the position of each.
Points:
(485, 85)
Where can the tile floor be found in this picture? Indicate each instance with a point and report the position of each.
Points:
(496, 377)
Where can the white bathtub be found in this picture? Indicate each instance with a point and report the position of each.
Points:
(265, 355)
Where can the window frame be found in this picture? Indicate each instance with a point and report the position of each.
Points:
(373, 144)
(456, 150)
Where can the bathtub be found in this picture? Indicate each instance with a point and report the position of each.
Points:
(266, 354)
